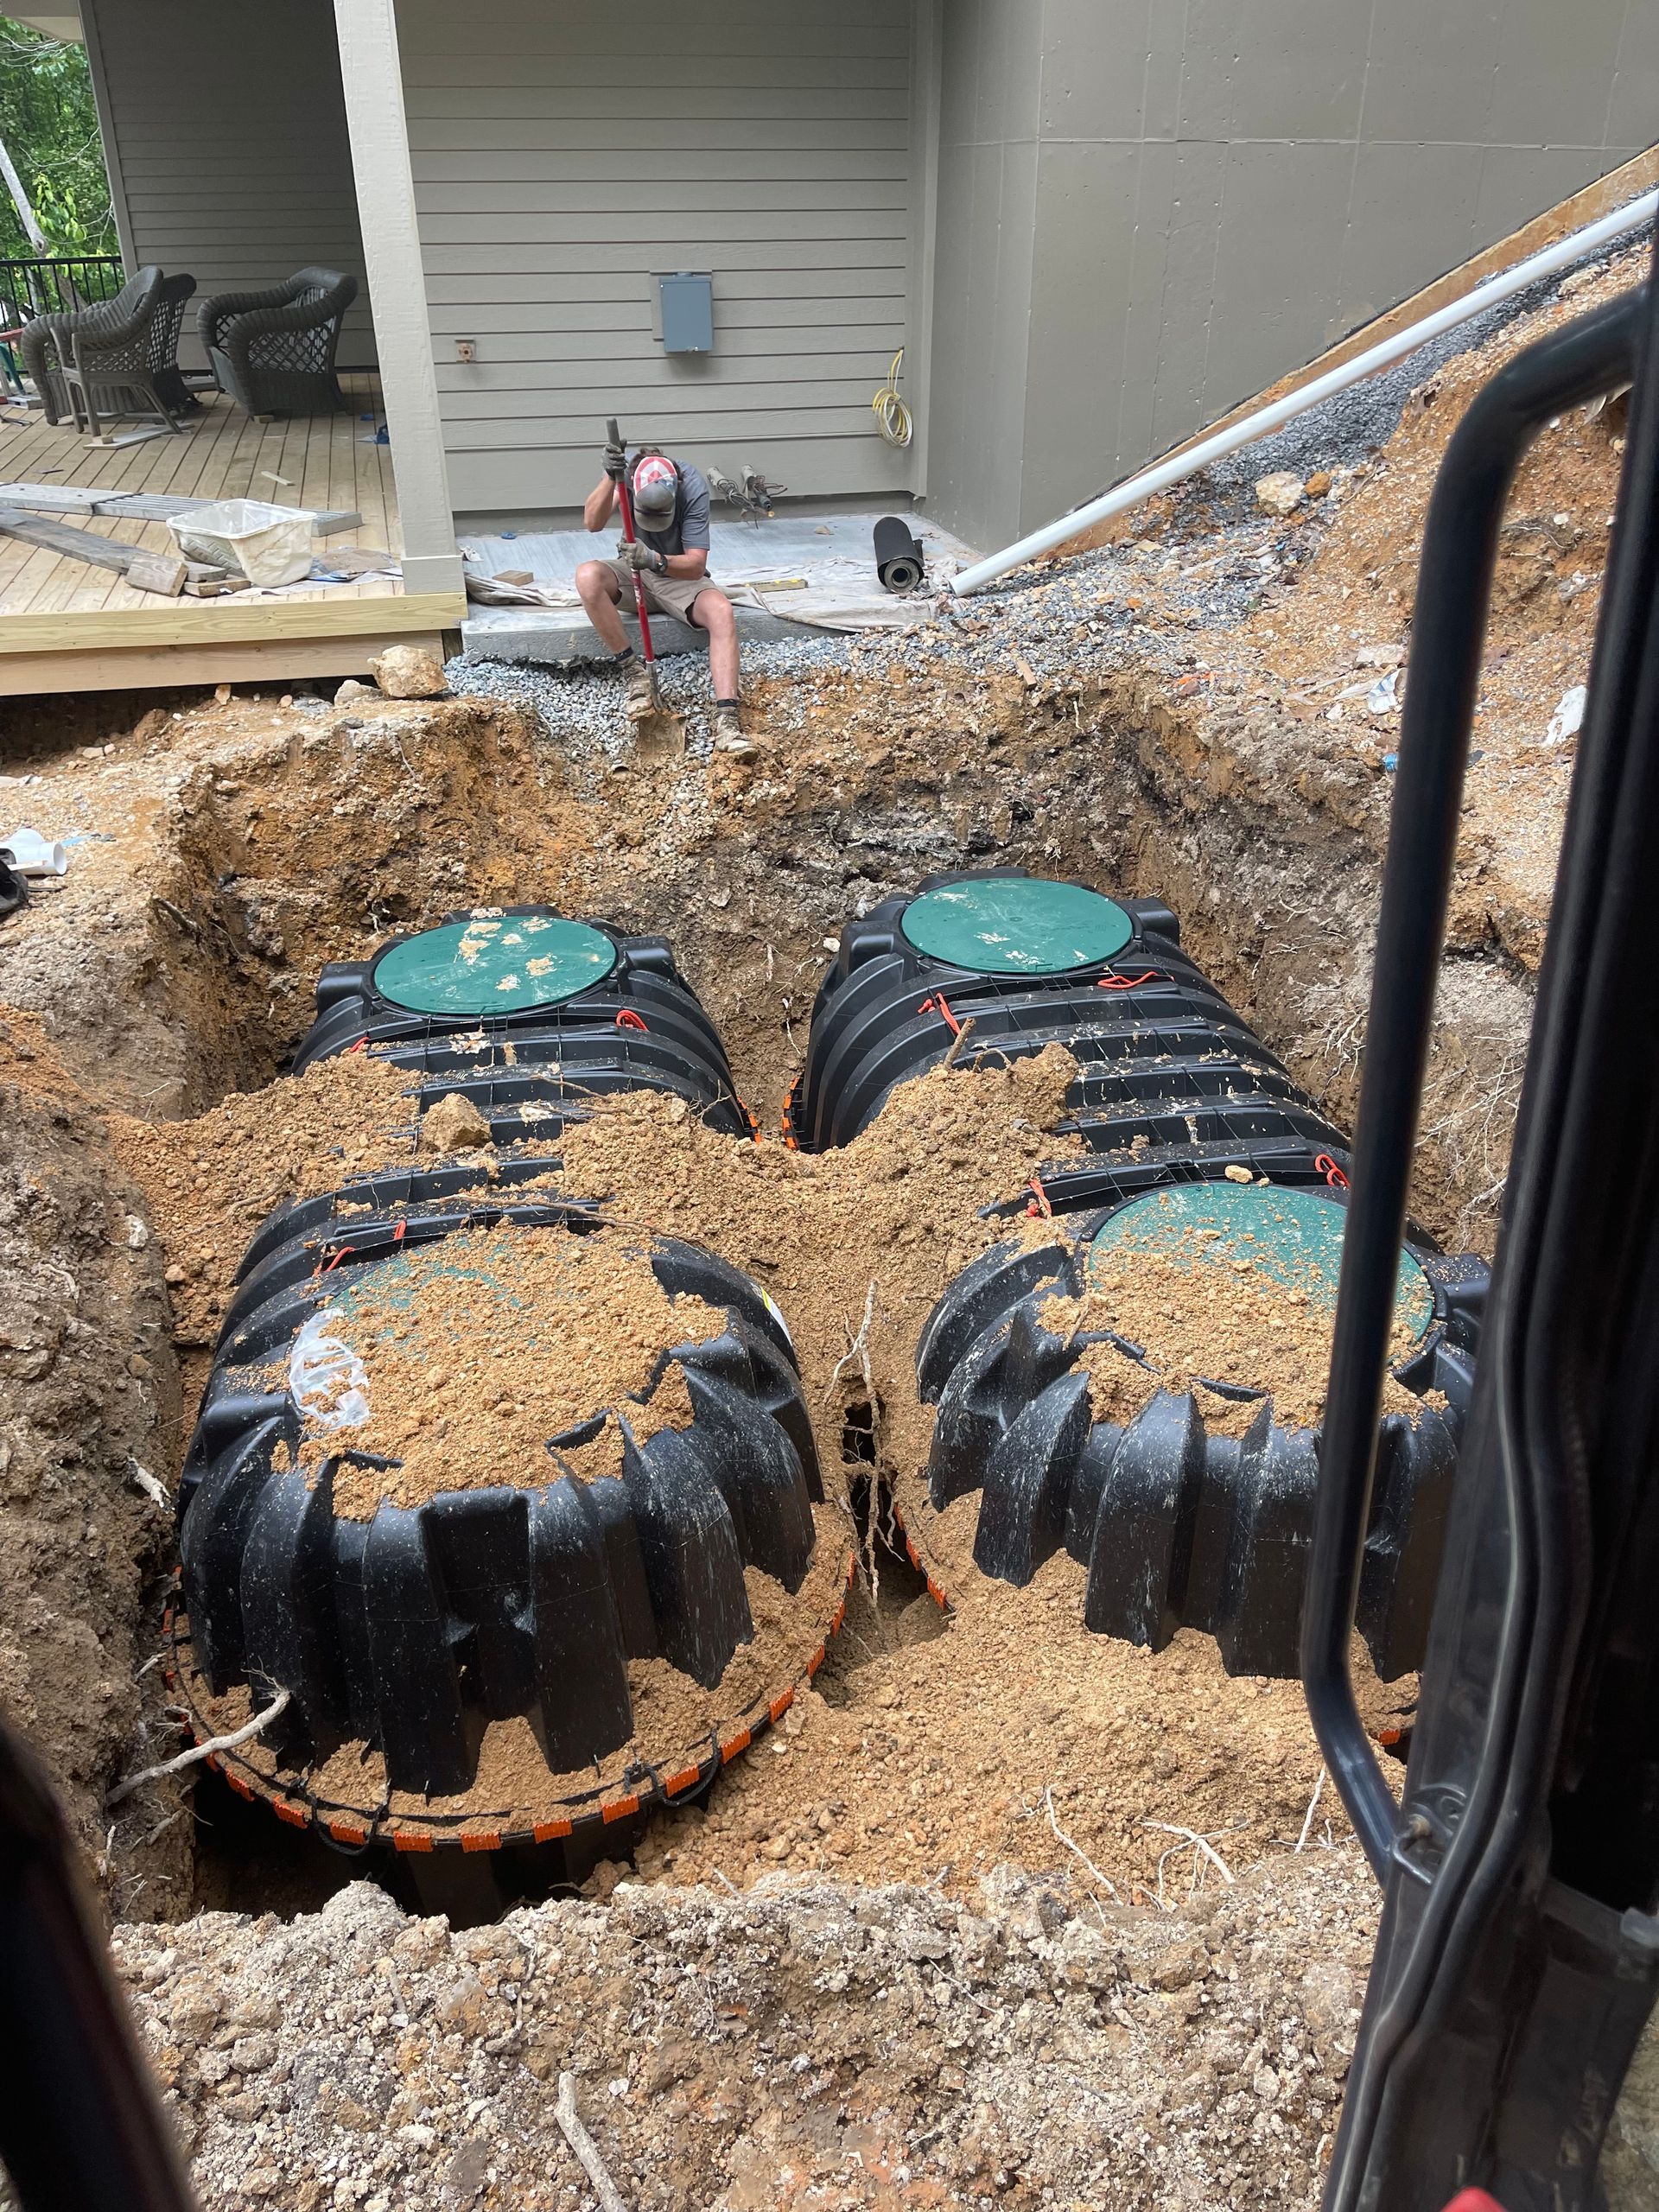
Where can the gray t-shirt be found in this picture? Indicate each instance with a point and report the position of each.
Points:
(689, 531)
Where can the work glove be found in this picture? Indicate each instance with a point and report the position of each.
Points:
(616, 462)
(642, 557)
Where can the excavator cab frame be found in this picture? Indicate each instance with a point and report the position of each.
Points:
(1518, 1957)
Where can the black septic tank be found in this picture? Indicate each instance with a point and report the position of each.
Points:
(1167, 1071)
(407, 1623)
(1186, 1494)
(1193, 1507)
(520, 1008)
(423, 1495)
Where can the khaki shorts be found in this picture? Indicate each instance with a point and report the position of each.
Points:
(671, 595)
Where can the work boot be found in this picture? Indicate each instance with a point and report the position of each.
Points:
(729, 737)
(642, 693)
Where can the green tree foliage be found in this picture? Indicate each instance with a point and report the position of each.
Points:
(50, 125)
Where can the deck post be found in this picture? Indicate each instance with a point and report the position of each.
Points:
(373, 76)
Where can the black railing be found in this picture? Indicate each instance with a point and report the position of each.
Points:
(55, 285)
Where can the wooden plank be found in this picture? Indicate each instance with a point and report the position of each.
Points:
(620, 197)
(60, 538)
(138, 668)
(545, 303)
(239, 622)
(440, 131)
(157, 572)
(780, 255)
(666, 165)
(674, 234)
(667, 425)
(494, 387)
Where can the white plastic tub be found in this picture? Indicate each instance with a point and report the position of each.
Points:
(268, 545)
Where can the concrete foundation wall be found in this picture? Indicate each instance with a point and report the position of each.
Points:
(225, 132)
(1148, 212)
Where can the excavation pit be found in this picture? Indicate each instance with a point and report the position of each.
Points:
(454, 813)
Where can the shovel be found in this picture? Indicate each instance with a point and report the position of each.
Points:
(657, 733)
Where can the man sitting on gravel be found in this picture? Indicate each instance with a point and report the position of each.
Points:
(671, 553)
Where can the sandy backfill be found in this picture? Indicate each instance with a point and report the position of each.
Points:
(487, 1358)
(1014, 1735)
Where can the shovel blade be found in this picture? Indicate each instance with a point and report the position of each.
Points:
(659, 735)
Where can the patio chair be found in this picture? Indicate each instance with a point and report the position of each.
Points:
(134, 369)
(273, 352)
(47, 342)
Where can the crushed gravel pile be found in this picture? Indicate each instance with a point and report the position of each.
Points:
(806, 2045)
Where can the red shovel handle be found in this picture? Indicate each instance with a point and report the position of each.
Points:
(626, 504)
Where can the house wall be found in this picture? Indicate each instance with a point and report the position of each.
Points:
(225, 128)
(564, 154)
(1148, 213)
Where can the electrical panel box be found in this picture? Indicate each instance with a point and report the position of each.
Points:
(687, 303)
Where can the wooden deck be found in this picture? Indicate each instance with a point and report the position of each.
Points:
(66, 627)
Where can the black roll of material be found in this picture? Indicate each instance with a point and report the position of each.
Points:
(898, 560)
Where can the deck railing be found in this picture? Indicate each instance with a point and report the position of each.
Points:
(55, 284)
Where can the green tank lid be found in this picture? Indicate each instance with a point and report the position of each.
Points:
(1016, 925)
(1294, 1239)
(494, 963)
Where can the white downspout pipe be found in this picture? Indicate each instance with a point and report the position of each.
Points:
(1163, 473)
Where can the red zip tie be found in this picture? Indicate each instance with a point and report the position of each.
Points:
(360, 1046)
(397, 1233)
(338, 1257)
(939, 1004)
(629, 1020)
(1126, 983)
(1332, 1174)
(1042, 1205)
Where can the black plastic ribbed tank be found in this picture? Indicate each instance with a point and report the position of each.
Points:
(1170, 1076)
(410, 1631)
(1176, 1526)
(521, 1008)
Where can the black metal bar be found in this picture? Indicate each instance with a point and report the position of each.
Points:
(57, 283)
(81, 2129)
(1453, 592)
(1517, 1959)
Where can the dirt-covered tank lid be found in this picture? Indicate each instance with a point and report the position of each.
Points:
(494, 963)
(1016, 925)
(1289, 1238)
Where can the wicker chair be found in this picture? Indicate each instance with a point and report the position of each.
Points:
(273, 352)
(135, 371)
(47, 343)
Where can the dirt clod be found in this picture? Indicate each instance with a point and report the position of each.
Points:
(454, 1124)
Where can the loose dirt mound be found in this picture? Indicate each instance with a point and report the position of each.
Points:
(477, 1351)
(802, 2046)
(938, 1759)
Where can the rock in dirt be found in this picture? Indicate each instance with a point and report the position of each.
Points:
(454, 1124)
(1282, 493)
(352, 689)
(410, 672)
